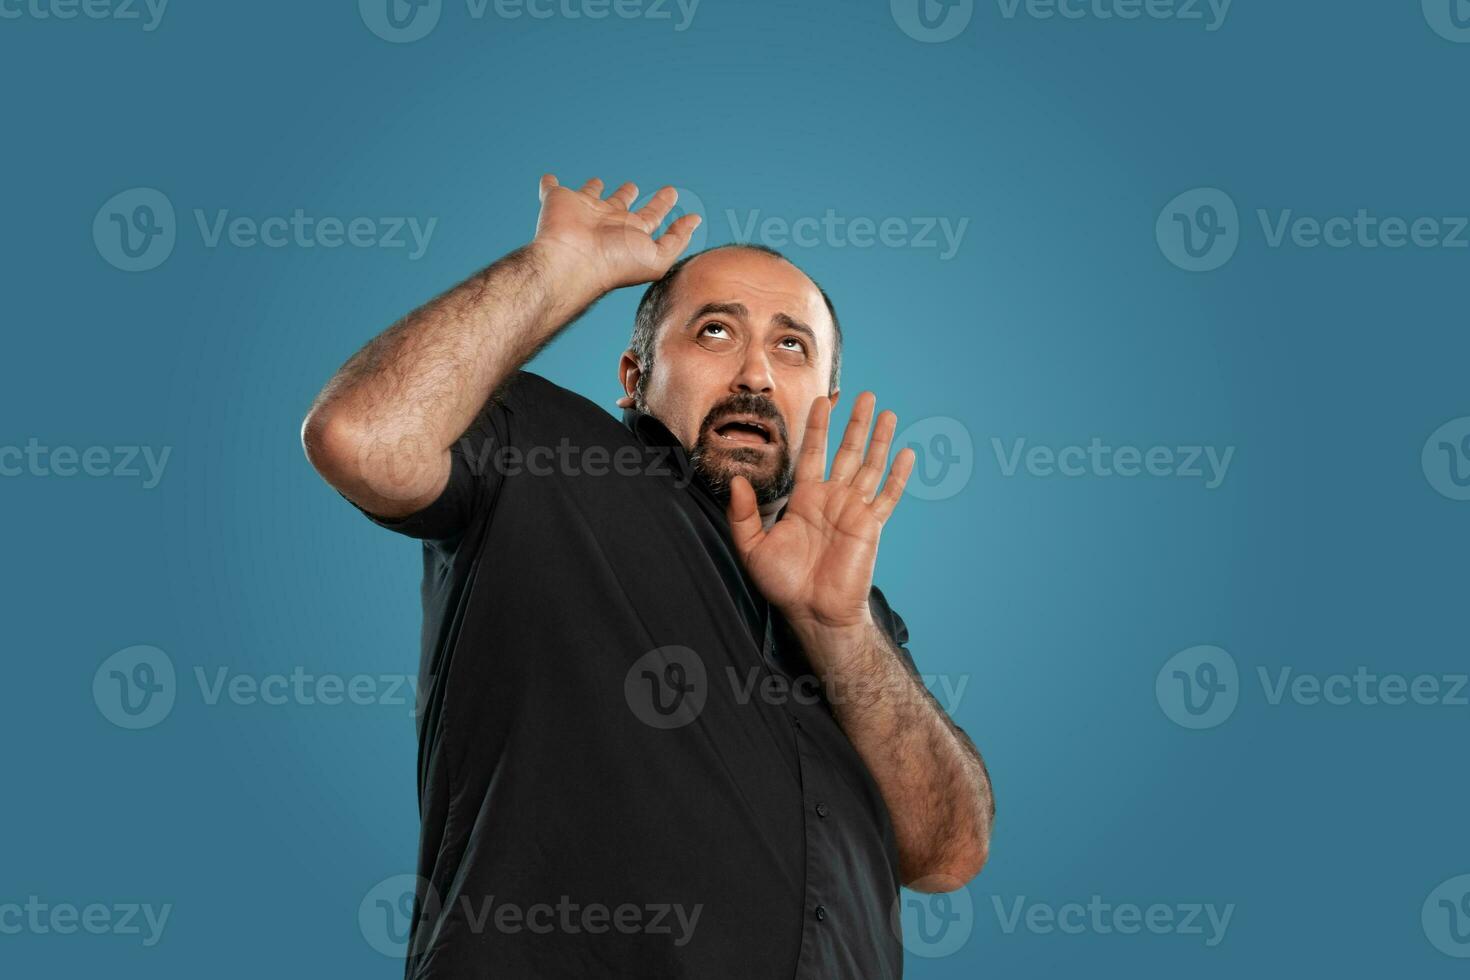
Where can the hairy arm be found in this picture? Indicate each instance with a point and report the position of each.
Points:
(815, 564)
(381, 430)
(929, 772)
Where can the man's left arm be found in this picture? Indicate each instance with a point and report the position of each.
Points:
(815, 565)
(929, 772)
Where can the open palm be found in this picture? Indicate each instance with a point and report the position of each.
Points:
(816, 563)
(613, 244)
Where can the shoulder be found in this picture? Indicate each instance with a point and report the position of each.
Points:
(529, 394)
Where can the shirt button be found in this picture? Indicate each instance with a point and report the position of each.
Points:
(822, 810)
(821, 912)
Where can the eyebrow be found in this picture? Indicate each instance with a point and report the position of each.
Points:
(739, 310)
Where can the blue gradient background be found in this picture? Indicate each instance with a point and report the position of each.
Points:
(1058, 320)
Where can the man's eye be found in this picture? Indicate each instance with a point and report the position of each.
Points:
(708, 327)
(794, 342)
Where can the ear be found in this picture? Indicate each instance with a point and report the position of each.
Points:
(629, 372)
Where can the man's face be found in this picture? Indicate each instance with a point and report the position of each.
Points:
(745, 348)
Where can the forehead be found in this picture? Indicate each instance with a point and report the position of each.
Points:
(764, 284)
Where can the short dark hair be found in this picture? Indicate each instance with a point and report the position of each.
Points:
(654, 306)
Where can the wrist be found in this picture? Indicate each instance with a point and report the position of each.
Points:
(847, 657)
(818, 633)
(569, 273)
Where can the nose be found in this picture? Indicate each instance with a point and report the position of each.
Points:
(754, 375)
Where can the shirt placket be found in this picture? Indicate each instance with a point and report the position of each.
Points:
(821, 901)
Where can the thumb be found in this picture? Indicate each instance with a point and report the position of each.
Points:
(745, 518)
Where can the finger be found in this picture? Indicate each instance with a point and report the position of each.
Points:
(548, 183)
(745, 518)
(850, 452)
(676, 238)
(866, 481)
(658, 207)
(624, 196)
(593, 187)
(898, 478)
(812, 461)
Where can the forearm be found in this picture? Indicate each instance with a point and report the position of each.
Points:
(931, 777)
(381, 428)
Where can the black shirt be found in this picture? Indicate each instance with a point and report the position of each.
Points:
(626, 766)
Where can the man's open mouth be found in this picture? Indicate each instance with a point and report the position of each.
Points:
(745, 430)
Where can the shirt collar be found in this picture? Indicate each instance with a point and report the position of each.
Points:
(651, 432)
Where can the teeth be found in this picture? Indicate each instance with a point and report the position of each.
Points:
(758, 426)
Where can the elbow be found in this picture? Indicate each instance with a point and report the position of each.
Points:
(948, 872)
(389, 476)
(331, 444)
(963, 868)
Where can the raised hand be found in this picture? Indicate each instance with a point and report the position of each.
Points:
(816, 563)
(602, 242)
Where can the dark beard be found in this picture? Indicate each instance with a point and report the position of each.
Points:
(713, 461)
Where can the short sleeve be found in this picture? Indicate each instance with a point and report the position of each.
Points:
(892, 624)
(473, 480)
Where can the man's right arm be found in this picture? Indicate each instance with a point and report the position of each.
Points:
(381, 430)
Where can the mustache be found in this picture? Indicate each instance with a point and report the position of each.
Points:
(747, 403)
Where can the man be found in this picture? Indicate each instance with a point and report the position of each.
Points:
(670, 727)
